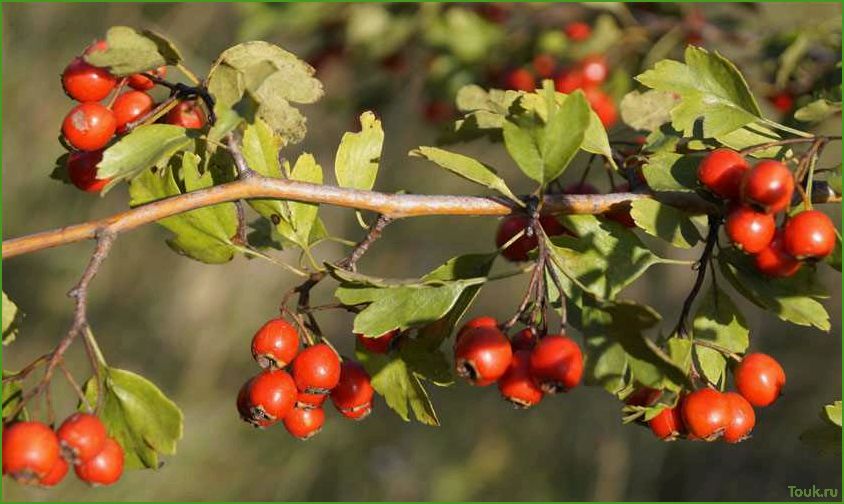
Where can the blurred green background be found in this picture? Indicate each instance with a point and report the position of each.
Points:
(186, 326)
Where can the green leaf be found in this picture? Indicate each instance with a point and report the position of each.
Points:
(669, 171)
(12, 395)
(791, 299)
(710, 87)
(665, 222)
(204, 234)
(832, 413)
(303, 216)
(145, 147)
(647, 111)
(466, 167)
(605, 34)
(754, 134)
(401, 388)
(138, 415)
(11, 320)
(359, 154)
(465, 34)
(791, 57)
(825, 436)
(131, 52)
(431, 364)
(680, 353)
(718, 321)
(817, 110)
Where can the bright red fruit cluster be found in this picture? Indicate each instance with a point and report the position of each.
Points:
(526, 366)
(756, 195)
(296, 398)
(35, 455)
(90, 126)
(708, 414)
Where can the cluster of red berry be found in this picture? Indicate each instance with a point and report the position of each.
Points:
(525, 368)
(90, 126)
(35, 455)
(273, 395)
(708, 414)
(757, 195)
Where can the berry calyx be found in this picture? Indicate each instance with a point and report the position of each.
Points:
(517, 385)
(749, 230)
(759, 378)
(275, 344)
(578, 31)
(82, 170)
(380, 344)
(668, 425)
(56, 474)
(809, 235)
(86, 83)
(317, 369)
(271, 395)
(512, 225)
(30, 450)
(721, 171)
(354, 392)
(105, 468)
(768, 185)
(187, 114)
(556, 362)
(774, 261)
(304, 400)
(520, 79)
(482, 355)
(129, 107)
(304, 423)
(740, 418)
(89, 126)
(705, 414)
(144, 83)
(81, 437)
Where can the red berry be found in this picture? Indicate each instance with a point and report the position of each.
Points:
(759, 378)
(380, 344)
(271, 395)
(82, 436)
(594, 70)
(56, 474)
(782, 101)
(304, 423)
(668, 425)
(317, 369)
(96, 46)
(644, 396)
(130, 106)
(517, 385)
(30, 450)
(244, 408)
(544, 65)
(580, 188)
(603, 106)
(276, 344)
(524, 339)
(769, 185)
(740, 418)
(749, 230)
(621, 213)
(187, 114)
(105, 468)
(557, 363)
(809, 235)
(705, 413)
(568, 81)
(578, 31)
(360, 413)
(82, 170)
(143, 83)
(89, 126)
(86, 83)
(354, 392)
(520, 80)
(774, 261)
(721, 172)
(482, 355)
(304, 400)
(483, 321)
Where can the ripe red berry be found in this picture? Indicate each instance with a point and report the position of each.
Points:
(354, 392)
(86, 83)
(769, 185)
(512, 225)
(82, 170)
(544, 65)
(244, 408)
(668, 425)
(782, 101)
(317, 369)
(740, 418)
(437, 111)
(749, 230)
(517, 385)
(304, 423)
(568, 81)
(271, 395)
(759, 378)
(304, 400)
(774, 261)
(187, 114)
(644, 396)
(721, 171)
(30, 450)
(578, 31)
(809, 235)
(557, 363)
(520, 79)
(705, 413)
(482, 355)
(81, 436)
(276, 344)
(130, 106)
(378, 345)
(603, 106)
(89, 126)
(524, 339)
(594, 70)
(56, 474)
(105, 468)
(143, 83)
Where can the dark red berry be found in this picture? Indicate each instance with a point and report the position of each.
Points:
(774, 261)
(668, 424)
(82, 170)
(354, 392)
(721, 171)
(482, 355)
(187, 114)
(380, 344)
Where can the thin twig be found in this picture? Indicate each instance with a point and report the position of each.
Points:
(350, 261)
(711, 239)
(76, 388)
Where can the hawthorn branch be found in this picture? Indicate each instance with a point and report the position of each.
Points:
(350, 262)
(701, 265)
